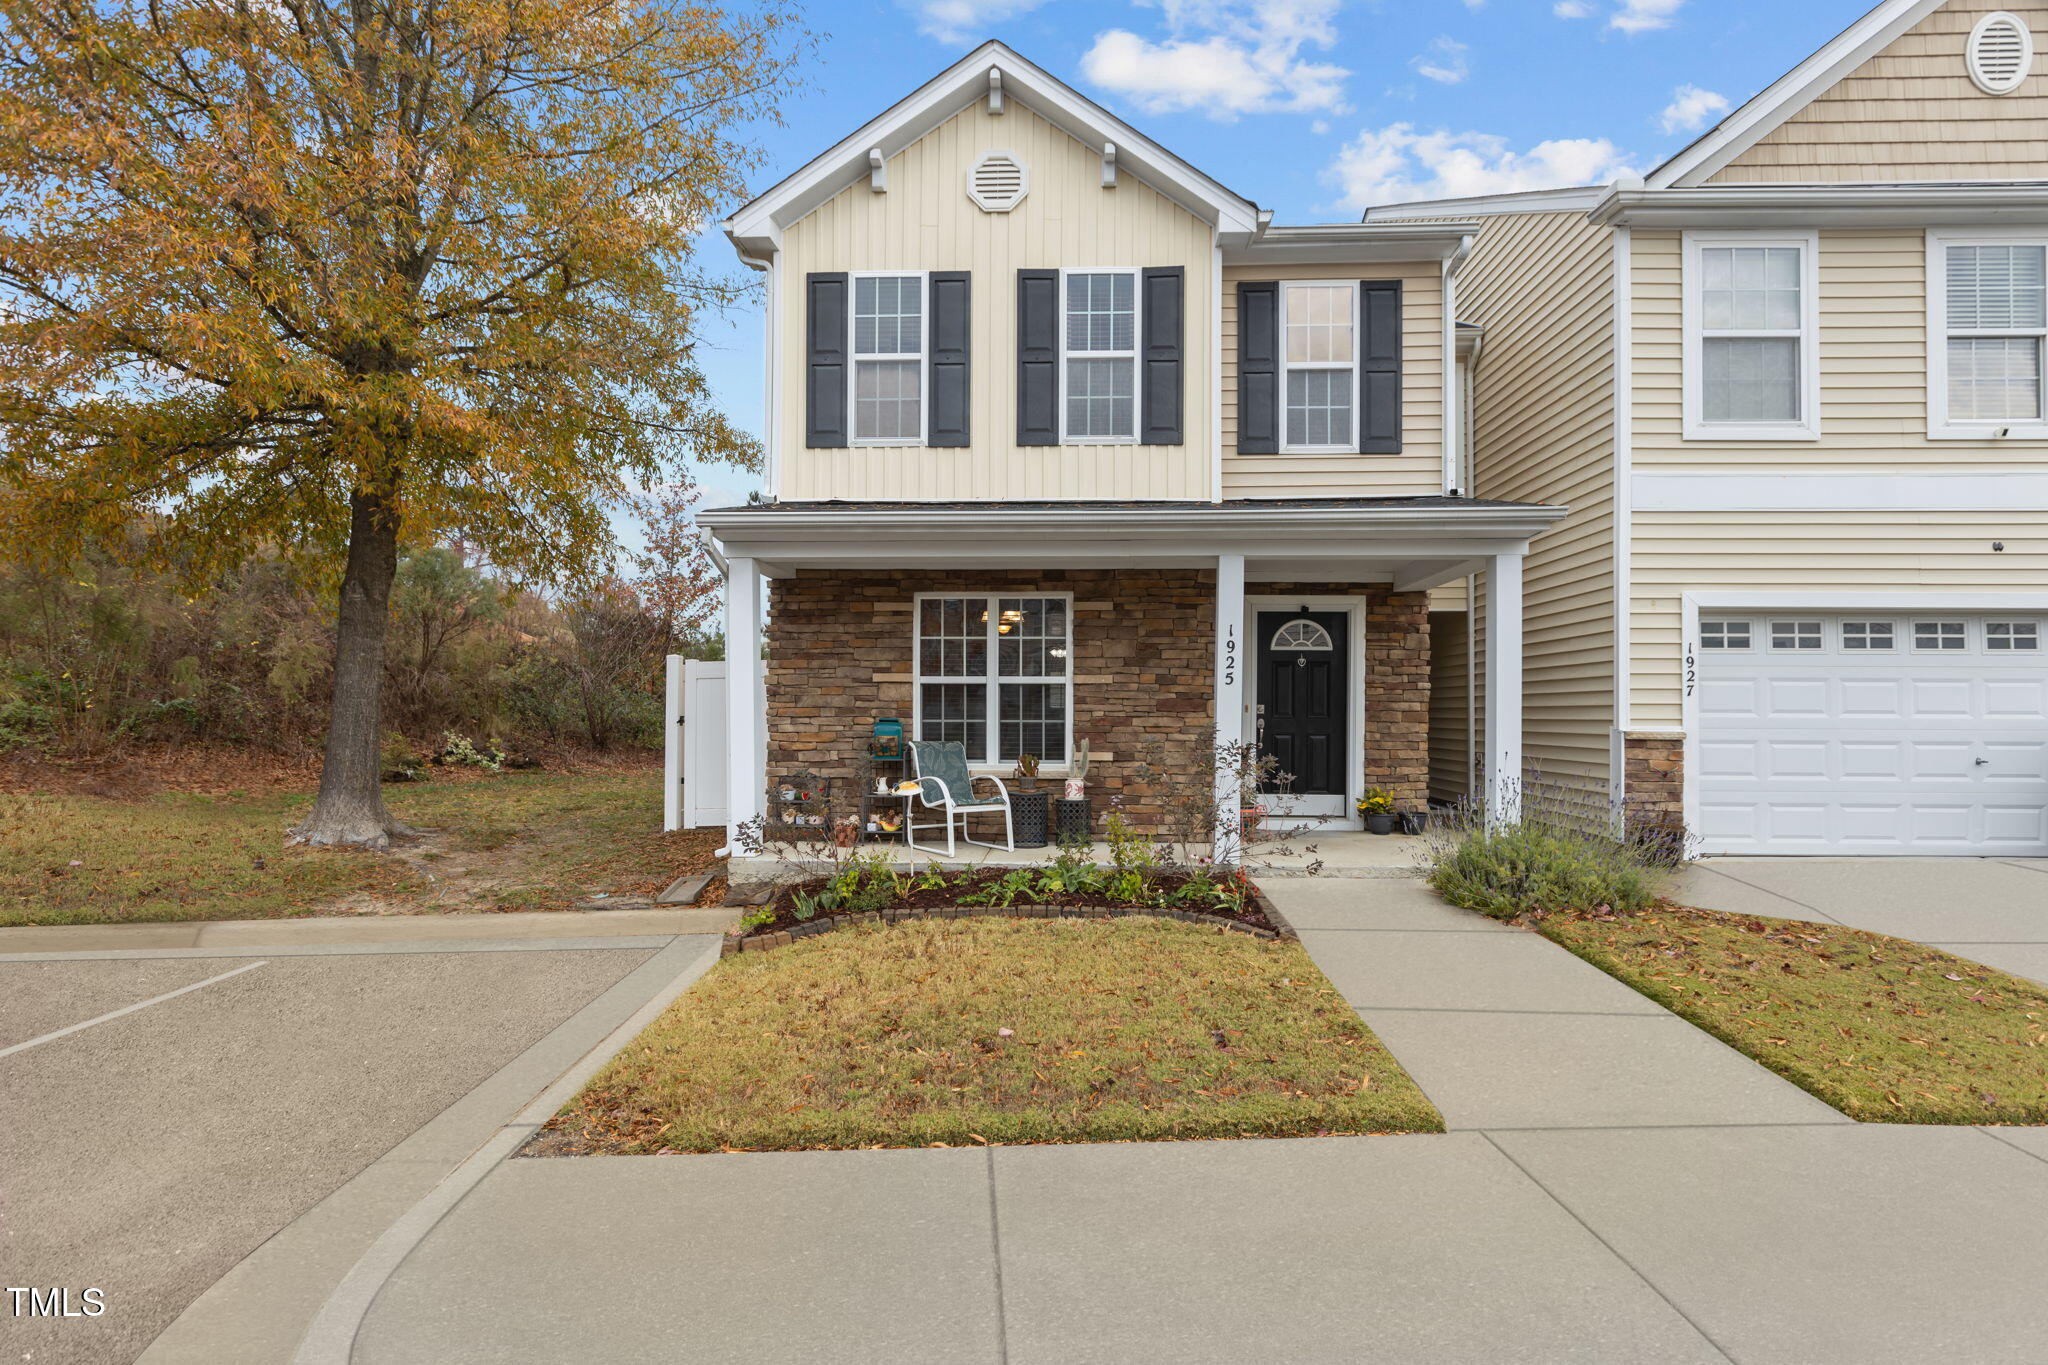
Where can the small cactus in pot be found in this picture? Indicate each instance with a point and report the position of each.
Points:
(1077, 774)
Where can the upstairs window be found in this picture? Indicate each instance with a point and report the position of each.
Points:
(1751, 323)
(888, 360)
(1988, 322)
(1319, 324)
(1099, 362)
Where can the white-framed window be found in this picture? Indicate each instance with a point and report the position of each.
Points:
(1319, 366)
(1941, 635)
(1751, 321)
(1869, 636)
(887, 342)
(995, 672)
(2012, 635)
(1796, 635)
(1724, 635)
(1099, 357)
(1987, 334)
(1303, 634)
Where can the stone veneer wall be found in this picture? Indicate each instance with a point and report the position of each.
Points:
(839, 656)
(1653, 773)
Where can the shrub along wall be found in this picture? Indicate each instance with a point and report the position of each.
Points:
(839, 657)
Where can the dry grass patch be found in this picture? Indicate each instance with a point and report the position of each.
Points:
(1883, 1029)
(958, 1032)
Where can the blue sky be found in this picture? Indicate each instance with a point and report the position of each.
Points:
(1314, 108)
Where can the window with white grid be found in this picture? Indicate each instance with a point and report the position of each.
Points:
(2012, 635)
(1941, 635)
(1319, 324)
(888, 359)
(1100, 349)
(995, 673)
(1751, 323)
(1724, 635)
(1994, 301)
(1868, 636)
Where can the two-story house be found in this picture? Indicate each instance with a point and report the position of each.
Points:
(1066, 440)
(1791, 386)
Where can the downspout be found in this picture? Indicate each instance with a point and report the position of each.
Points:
(1450, 436)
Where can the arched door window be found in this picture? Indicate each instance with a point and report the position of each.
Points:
(1302, 634)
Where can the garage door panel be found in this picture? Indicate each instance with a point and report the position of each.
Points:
(1872, 751)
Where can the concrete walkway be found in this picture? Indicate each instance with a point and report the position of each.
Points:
(1504, 1029)
(1993, 911)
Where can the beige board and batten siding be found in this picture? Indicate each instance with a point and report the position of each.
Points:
(1910, 113)
(925, 221)
(1418, 470)
(1873, 368)
(1895, 553)
(1542, 287)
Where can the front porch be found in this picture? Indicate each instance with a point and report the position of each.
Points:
(1152, 632)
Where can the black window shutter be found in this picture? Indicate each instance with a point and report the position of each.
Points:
(1161, 393)
(949, 313)
(1379, 367)
(1038, 357)
(825, 376)
(1258, 367)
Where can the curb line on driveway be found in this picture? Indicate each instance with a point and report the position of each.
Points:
(330, 1340)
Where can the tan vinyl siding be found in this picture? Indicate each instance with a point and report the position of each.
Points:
(1900, 552)
(1418, 469)
(1450, 700)
(1912, 113)
(1543, 399)
(1873, 368)
(924, 221)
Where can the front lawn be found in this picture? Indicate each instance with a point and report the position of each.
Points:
(958, 1032)
(496, 841)
(1885, 1030)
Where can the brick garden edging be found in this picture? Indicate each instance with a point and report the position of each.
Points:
(826, 924)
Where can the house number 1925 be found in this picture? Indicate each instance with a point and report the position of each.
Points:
(1230, 656)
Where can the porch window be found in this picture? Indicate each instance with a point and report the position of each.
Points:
(1100, 364)
(888, 360)
(994, 673)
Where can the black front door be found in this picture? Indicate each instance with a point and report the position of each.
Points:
(1303, 662)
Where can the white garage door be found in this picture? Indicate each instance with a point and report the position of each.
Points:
(1872, 733)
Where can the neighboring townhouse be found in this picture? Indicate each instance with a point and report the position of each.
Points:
(1067, 441)
(1791, 387)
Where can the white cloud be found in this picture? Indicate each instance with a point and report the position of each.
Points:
(1691, 109)
(1572, 9)
(1444, 60)
(961, 21)
(1224, 58)
(1397, 164)
(1640, 16)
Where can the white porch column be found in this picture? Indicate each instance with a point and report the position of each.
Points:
(1504, 686)
(1231, 662)
(746, 721)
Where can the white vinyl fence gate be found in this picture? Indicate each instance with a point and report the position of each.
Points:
(694, 773)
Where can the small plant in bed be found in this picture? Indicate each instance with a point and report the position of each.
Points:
(1550, 858)
(961, 1033)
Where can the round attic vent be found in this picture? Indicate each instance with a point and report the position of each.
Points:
(998, 182)
(2000, 54)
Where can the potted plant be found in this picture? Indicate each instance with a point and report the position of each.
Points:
(1027, 772)
(1376, 807)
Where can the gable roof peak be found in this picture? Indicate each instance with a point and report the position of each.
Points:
(756, 227)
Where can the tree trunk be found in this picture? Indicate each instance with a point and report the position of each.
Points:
(350, 808)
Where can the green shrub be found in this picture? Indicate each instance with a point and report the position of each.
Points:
(1538, 866)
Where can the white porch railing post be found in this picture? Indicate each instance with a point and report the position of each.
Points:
(1504, 687)
(1231, 662)
(746, 725)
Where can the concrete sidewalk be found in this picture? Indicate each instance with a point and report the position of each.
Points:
(1989, 910)
(209, 936)
(1504, 1029)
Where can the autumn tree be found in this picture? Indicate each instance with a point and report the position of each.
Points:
(673, 572)
(352, 275)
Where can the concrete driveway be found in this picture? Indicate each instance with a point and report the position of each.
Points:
(165, 1112)
(1990, 910)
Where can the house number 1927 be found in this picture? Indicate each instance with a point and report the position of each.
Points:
(1691, 674)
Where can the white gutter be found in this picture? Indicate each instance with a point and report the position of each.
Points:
(1130, 522)
(1823, 205)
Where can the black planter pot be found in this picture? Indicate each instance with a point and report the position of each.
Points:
(1380, 822)
(1414, 821)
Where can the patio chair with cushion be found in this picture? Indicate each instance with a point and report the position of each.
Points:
(944, 785)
